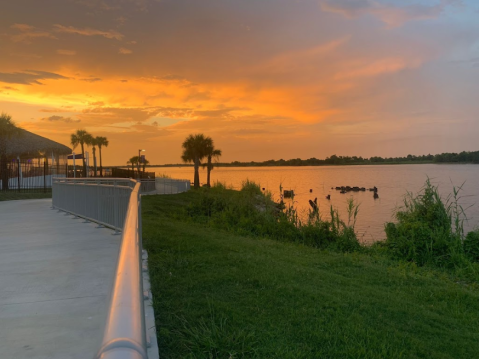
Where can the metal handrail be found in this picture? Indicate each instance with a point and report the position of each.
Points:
(171, 185)
(125, 332)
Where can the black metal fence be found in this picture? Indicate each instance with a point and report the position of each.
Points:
(29, 175)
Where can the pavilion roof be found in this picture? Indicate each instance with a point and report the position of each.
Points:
(28, 144)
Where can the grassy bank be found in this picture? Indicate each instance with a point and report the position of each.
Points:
(13, 195)
(227, 292)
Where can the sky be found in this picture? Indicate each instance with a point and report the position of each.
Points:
(265, 79)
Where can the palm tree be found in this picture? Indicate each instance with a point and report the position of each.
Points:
(128, 165)
(81, 137)
(134, 163)
(8, 129)
(145, 162)
(101, 141)
(194, 150)
(92, 142)
(211, 153)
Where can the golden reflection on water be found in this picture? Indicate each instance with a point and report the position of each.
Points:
(393, 181)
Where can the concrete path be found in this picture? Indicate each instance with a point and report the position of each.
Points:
(56, 273)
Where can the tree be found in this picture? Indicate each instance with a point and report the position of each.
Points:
(195, 148)
(145, 162)
(81, 137)
(211, 153)
(134, 163)
(92, 142)
(101, 141)
(8, 129)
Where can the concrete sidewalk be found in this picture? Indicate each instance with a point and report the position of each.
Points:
(56, 273)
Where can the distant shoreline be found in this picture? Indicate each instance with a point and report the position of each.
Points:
(310, 165)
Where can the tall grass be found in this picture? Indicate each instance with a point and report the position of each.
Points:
(252, 212)
(430, 231)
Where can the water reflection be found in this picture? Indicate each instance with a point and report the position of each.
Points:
(392, 181)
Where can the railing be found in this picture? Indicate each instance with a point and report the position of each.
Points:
(148, 185)
(103, 201)
(172, 186)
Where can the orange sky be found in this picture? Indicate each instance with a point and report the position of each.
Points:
(265, 79)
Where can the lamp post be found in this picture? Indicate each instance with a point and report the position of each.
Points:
(139, 156)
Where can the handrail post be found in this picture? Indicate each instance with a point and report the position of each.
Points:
(116, 210)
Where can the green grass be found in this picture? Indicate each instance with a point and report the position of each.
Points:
(13, 195)
(218, 294)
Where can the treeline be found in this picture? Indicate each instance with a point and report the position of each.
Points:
(463, 157)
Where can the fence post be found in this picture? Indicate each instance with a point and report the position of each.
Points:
(140, 227)
(44, 177)
(116, 210)
(18, 173)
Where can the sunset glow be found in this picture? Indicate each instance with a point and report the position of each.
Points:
(265, 79)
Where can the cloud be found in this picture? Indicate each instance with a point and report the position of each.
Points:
(474, 62)
(377, 67)
(66, 52)
(301, 60)
(175, 112)
(115, 4)
(196, 95)
(121, 20)
(29, 77)
(60, 119)
(124, 51)
(172, 77)
(391, 15)
(218, 113)
(26, 55)
(116, 115)
(96, 4)
(110, 34)
(28, 33)
(51, 110)
(91, 79)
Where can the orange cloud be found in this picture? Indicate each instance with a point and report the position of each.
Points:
(378, 67)
(66, 52)
(124, 51)
(109, 34)
(28, 33)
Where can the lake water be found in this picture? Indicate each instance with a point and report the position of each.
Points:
(392, 181)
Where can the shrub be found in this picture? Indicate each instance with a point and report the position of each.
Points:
(252, 212)
(430, 230)
(471, 245)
